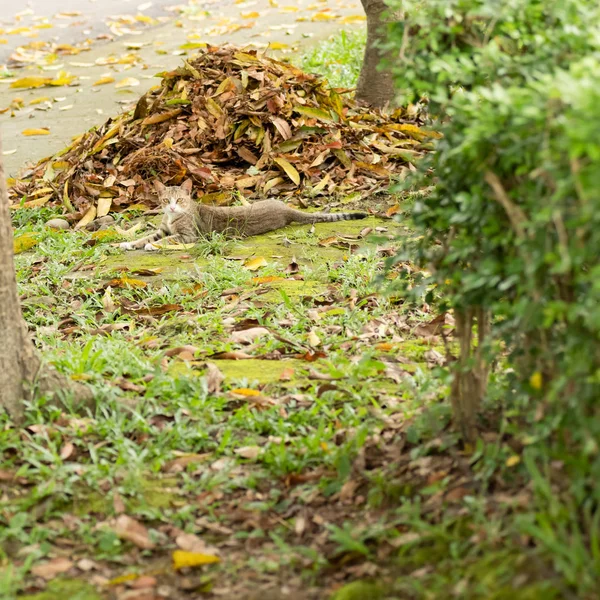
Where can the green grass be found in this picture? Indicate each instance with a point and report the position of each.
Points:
(338, 58)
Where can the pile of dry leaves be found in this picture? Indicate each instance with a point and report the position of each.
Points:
(231, 120)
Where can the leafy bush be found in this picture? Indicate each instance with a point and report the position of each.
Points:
(447, 45)
(511, 229)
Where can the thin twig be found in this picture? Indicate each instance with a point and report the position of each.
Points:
(515, 215)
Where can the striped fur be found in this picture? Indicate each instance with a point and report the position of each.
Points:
(184, 220)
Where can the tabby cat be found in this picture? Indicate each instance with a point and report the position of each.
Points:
(185, 220)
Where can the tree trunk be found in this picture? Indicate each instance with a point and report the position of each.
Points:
(471, 371)
(375, 86)
(22, 374)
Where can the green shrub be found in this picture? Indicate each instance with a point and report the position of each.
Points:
(511, 229)
(446, 45)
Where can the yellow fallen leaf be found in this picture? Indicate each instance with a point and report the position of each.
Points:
(193, 45)
(145, 19)
(278, 46)
(322, 16)
(123, 579)
(536, 381)
(256, 263)
(104, 204)
(62, 78)
(39, 100)
(250, 15)
(127, 82)
(104, 80)
(244, 392)
(37, 202)
(182, 559)
(24, 242)
(313, 338)
(384, 346)
(353, 19)
(511, 461)
(161, 117)
(36, 132)
(289, 169)
(121, 282)
(89, 216)
(33, 81)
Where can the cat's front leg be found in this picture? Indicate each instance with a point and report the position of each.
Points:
(143, 242)
(171, 239)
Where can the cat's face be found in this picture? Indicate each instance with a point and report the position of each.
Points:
(175, 199)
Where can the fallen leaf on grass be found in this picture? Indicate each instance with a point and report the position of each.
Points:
(433, 328)
(87, 218)
(251, 452)
(179, 464)
(189, 542)
(244, 392)
(132, 531)
(392, 210)
(153, 311)
(24, 242)
(52, 568)
(246, 336)
(256, 263)
(107, 300)
(183, 559)
(67, 450)
(433, 357)
(126, 282)
(233, 355)
(313, 339)
(186, 352)
(12, 477)
(286, 374)
(214, 378)
(329, 241)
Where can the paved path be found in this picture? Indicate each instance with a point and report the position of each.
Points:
(137, 51)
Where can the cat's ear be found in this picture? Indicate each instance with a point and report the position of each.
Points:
(159, 187)
(186, 186)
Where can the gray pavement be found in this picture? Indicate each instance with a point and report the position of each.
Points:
(137, 51)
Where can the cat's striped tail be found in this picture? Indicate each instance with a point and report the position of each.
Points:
(332, 217)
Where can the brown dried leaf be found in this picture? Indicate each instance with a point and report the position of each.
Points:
(132, 531)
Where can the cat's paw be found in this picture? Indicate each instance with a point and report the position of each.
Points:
(126, 245)
(150, 248)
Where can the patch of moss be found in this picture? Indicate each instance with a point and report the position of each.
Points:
(416, 349)
(168, 261)
(152, 493)
(294, 289)
(261, 371)
(73, 589)
(359, 590)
